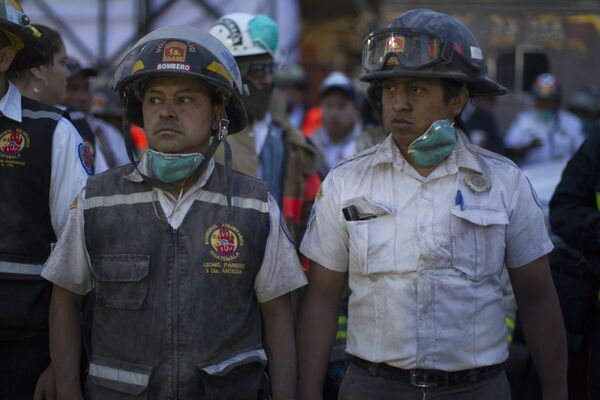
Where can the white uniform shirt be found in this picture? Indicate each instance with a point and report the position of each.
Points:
(115, 141)
(280, 272)
(424, 272)
(336, 152)
(560, 137)
(67, 175)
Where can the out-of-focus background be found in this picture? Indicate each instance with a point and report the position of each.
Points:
(520, 39)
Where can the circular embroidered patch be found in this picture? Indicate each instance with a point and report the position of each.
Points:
(85, 158)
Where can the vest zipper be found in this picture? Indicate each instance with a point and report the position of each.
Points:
(175, 303)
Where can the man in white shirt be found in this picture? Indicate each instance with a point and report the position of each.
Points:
(186, 256)
(422, 226)
(43, 166)
(546, 132)
(108, 143)
(337, 138)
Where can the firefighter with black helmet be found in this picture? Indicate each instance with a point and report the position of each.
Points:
(422, 225)
(185, 255)
(43, 166)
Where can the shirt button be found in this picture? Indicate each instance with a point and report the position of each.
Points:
(424, 316)
(423, 228)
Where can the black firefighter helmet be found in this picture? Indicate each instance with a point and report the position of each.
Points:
(23, 37)
(186, 51)
(425, 43)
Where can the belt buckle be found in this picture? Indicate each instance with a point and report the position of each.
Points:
(420, 380)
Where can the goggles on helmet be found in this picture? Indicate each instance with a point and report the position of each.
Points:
(410, 49)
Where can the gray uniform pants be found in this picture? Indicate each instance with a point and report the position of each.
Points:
(358, 384)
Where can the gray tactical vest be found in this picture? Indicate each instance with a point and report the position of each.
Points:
(176, 314)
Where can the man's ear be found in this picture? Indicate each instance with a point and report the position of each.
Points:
(217, 114)
(460, 101)
(7, 55)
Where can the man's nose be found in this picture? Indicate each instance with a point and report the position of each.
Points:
(400, 101)
(167, 109)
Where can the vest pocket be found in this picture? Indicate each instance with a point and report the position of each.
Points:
(112, 379)
(478, 241)
(121, 280)
(235, 376)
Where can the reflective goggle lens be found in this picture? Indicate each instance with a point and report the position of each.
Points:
(409, 49)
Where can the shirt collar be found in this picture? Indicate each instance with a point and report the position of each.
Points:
(462, 157)
(145, 168)
(10, 104)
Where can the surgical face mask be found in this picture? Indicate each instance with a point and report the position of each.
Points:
(545, 115)
(257, 104)
(434, 145)
(171, 168)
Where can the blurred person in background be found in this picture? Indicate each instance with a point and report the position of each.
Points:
(292, 83)
(43, 166)
(575, 217)
(48, 84)
(376, 133)
(545, 132)
(480, 124)
(107, 141)
(584, 104)
(269, 148)
(336, 139)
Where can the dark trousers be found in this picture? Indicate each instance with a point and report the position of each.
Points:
(358, 384)
(21, 363)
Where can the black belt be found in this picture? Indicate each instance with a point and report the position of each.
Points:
(429, 378)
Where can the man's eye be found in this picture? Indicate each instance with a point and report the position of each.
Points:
(153, 100)
(389, 88)
(416, 89)
(185, 100)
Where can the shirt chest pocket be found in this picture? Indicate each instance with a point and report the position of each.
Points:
(478, 241)
(121, 280)
(371, 240)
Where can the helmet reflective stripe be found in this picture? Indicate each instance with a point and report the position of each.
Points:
(247, 34)
(184, 51)
(206, 40)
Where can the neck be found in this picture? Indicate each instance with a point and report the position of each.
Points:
(27, 91)
(423, 171)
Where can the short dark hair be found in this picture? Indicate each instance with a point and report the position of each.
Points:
(451, 88)
(51, 40)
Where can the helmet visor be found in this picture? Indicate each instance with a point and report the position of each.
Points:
(409, 49)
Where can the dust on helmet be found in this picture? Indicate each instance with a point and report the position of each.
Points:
(247, 34)
(185, 51)
(425, 43)
(23, 37)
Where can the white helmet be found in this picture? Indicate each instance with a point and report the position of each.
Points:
(247, 34)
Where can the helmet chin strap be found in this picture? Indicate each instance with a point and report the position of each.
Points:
(218, 138)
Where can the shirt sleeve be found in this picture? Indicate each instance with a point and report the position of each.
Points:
(526, 234)
(518, 134)
(280, 272)
(68, 265)
(68, 175)
(326, 238)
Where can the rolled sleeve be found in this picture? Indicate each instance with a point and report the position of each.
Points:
(68, 265)
(526, 234)
(326, 238)
(280, 272)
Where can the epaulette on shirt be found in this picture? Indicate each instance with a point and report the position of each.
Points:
(489, 154)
